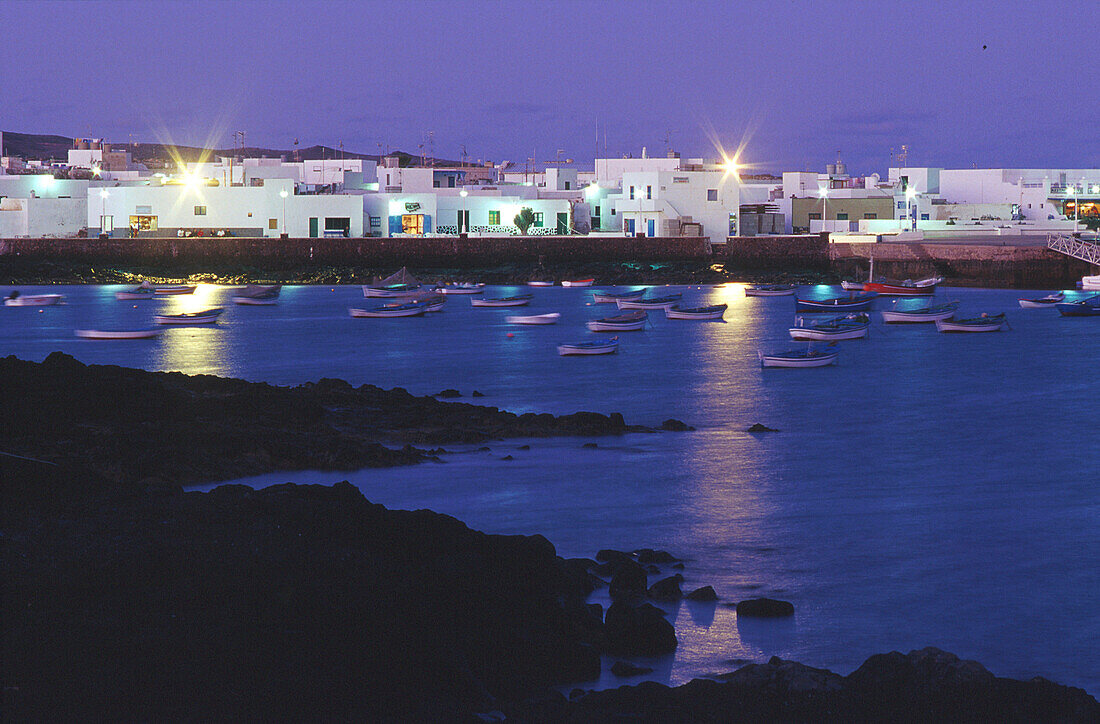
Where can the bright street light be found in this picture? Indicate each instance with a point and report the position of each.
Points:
(284, 194)
(463, 224)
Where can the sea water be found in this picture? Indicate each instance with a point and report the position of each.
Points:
(928, 490)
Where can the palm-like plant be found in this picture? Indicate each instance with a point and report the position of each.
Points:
(524, 220)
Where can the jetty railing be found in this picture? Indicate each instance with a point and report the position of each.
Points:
(1077, 248)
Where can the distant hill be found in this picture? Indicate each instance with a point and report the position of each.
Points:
(44, 148)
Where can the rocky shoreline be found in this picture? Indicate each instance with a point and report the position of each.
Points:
(126, 598)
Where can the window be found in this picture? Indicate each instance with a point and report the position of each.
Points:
(200, 211)
(143, 222)
(255, 182)
(612, 210)
(712, 194)
(815, 216)
(376, 222)
(538, 219)
(566, 185)
(679, 179)
(649, 192)
(924, 217)
(901, 204)
(273, 223)
(870, 216)
(595, 217)
(842, 217)
(631, 193)
(494, 218)
(412, 224)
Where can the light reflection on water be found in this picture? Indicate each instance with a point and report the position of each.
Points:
(928, 490)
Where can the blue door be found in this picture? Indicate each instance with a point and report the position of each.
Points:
(650, 225)
(629, 225)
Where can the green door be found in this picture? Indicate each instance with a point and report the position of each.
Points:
(563, 223)
(313, 227)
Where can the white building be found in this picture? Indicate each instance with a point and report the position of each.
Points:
(38, 205)
(670, 203)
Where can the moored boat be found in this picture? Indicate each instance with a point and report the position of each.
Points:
(612, 297)
(461, 289)
(408, 309)
(799, 357)
(206, 316)
(906, 288)
(519, 300)
(852, 286)
(854, 303)
(649, 302)
(15, 299)
(596, 346)
(984, 323)
(925, 314)
(629, 322)
(258, 294)
(1046, 302)
(770, 290)
(714, 311)
(579, 283)
(177, 289)
(118, 333)
(550, 318)
(540, 284)
(852, 326)
(145, 290)
(390, 290)
(1085, 308)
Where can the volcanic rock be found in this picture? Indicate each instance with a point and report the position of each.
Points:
(765, 608)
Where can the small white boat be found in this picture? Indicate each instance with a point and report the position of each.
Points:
(118, 333)
(799, 358)
(596, 346)
(629, 322)
(15, 299)
(771, 290)
(411, 309)
(145, 290)
(177, 289)
(613, 297)
(390, 290)
(579, 283)
(1046, 302)
(650, 303)
(984, 323)
(926, 314)
(520, 300)
(715, 311)
(852, 326)
(258, 294)
(206, 316)
(551, 318)
(540, 284)
(461, 289)
(929, 282)
(852, 286)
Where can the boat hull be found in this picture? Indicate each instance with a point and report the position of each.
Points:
(475, 289)
(833, 305)
(256, 301)
(384, 313)
(551, 318)
(185, 289)
(198, 318)
(898, 290)
(597, 325)
(609, 298)
(701, 314)
(135, 295)
(1079, 309)
(662, 303)
(822, 335)
(118, 334)
(33, 300)
(516, 302)
(588, 348)
(817, 360)
(895, 316)
(769, 292)
(579, 283)
(947, 325)
(540, 284)
(402, 290)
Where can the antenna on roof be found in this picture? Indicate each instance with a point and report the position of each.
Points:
(431, 147)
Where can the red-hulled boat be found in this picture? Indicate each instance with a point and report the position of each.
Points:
(903, 289)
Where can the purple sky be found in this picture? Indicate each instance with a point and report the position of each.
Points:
(797, 81)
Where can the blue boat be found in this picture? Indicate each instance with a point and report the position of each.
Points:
(853, 303)
(1085, 308)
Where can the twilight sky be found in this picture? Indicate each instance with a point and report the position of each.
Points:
(795, 81)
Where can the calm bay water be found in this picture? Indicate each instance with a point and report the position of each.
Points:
(931, 489)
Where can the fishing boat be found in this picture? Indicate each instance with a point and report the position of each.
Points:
(176, 289)
(596, 346)
(853, 303)
(629, 322)
(579, 283)
(15, 299)
(649, 302)
(1085, 308)
(612, 297)
(770, 290)
(907, 288)
(851, 286)
(808, 357)
(1046, 302)
(145, 290)
(461, 289)
(540, 284)
(390, 290)
(118, 333)
(519, 300)
(407, 309)
(206, 316)
(258, 294)
(984, 323)
(852, 326)
(714, 311)
(432, 303)
(550, 318)
(925, 314)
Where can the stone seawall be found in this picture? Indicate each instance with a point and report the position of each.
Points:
(776, 253)
(375, 252)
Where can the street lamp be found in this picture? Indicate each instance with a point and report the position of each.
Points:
(910, 194)
(1075, 207)
(463, 224)
(284, 194)
(824, 191)
(103, 194)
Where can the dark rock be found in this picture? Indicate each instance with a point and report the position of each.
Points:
(667, 589)
(678, 566)
(524, 447)
(674, 425)
(629, 581)
(589, 446)
(625, 668)
(576, 694)
(706, 593)
(638, 630)
(507, 457)
(765, 608)
(484, 448)
(477, 394)
(448, 394)
(757, 427)
(612, 556)
(648, 555)
(652, 569)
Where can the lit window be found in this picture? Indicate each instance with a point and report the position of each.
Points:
(494, 218)
(631, 193)
(815, 216)
(870, 216)
(200, 211)
(712, 194)
(273, 223)
(901, 204)
(842, 217)
(538, 218)
(649, 192)
(924, 217)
